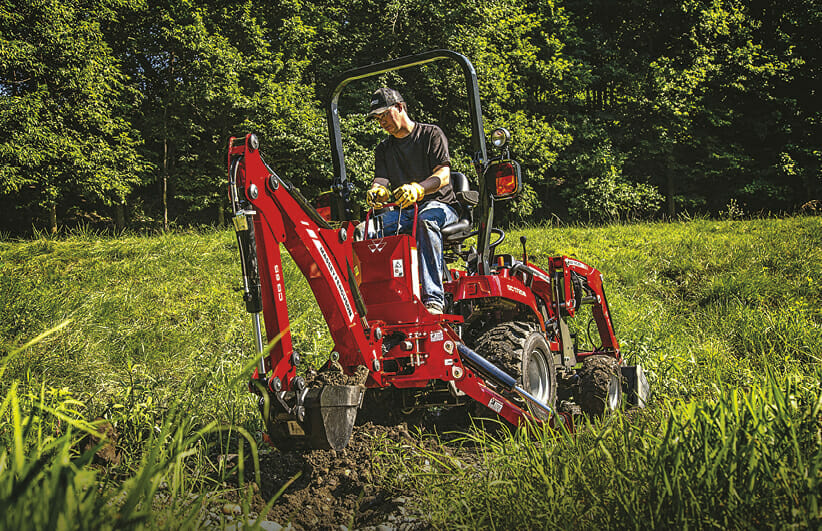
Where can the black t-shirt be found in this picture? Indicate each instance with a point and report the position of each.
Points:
(412, 159)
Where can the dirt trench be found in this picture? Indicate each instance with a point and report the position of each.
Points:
(337, 488)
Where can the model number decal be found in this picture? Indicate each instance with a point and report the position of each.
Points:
(575, 263)
(337, 282)
(495, 405)
(516, 290)
(278, 281)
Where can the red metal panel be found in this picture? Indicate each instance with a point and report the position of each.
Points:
(501, 285)
(322, 255)
(389, 278)
(275, 308)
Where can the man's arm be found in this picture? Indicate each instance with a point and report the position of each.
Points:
(438, 179)
(380, 181)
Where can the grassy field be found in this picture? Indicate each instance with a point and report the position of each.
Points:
(145, 337)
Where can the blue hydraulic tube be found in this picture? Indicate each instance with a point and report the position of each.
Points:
(499, 376)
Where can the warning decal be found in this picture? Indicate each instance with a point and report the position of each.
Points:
(495, 405)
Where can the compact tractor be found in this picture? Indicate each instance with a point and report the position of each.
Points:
(503, 341)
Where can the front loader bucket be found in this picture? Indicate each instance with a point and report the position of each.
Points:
(330, 412)
(635, 385)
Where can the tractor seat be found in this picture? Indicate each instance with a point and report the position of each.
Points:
(467, 199)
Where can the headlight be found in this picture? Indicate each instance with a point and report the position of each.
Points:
(500, 137)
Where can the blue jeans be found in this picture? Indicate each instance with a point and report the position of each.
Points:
(433, 216)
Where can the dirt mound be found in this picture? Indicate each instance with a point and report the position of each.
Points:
(332, 374)
(330, 489)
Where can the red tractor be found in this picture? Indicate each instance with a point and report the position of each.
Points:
(503, 340)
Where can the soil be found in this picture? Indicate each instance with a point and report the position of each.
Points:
(332, 374)
(334, 490)
(330, 489)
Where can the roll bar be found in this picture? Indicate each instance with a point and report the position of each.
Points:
(343, 207)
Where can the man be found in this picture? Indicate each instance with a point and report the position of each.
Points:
(414, 163)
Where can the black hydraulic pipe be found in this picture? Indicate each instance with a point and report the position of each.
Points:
(247, 243)
(252, 290)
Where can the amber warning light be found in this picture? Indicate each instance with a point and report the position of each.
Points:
(506, 180)
(323, 205)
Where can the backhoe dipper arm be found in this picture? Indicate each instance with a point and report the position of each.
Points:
(324, 256)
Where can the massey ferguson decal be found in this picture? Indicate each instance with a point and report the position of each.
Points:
(336, 278)
(376, 246)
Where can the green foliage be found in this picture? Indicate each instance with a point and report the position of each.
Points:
(65, 137)
(612, 198)
(111, 104)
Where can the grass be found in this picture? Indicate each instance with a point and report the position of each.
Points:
(147, 334)
(747, 459)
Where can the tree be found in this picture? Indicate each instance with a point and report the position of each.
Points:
(61, 94)
(708, 100)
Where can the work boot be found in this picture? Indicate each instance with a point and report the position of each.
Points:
(434, 308)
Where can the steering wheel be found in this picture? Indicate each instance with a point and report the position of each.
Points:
(491, 246)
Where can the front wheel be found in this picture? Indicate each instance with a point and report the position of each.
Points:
(600, 385)
(520, 349)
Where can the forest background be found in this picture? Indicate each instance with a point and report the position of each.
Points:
(117, 113)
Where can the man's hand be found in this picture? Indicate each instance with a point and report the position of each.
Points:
(377, 196)
(408, 194)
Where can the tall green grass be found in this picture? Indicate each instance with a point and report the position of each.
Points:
(148, 334)
(707, 304)
(747, 459)
(152, 315)
(727, 318)
(59, 470)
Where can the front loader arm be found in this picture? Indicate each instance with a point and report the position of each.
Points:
(323, 254)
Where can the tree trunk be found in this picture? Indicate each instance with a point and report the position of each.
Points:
(220, 214)
(165, 151)
(53, 217)
(119, 217)
(669, 194)
(165, 182)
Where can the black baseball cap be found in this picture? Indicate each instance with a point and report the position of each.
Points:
(382, 99)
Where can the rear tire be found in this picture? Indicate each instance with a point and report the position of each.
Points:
(520, 349)
(600, 386)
